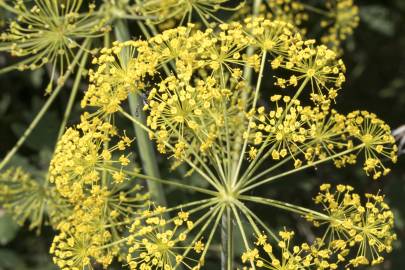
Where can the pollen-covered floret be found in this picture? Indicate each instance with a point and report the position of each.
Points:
(342, 22)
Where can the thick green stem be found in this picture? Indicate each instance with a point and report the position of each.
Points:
(145, 147)
(242, 231)
(227, 240)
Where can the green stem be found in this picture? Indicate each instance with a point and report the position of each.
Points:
(211, 214)
(247, 74)
(145, 147)
(242, 231)
(73, 95)
(266, 171)
(7, 7)
(41, 113)
(257, 162)
(213, 230)
(300, 168)
(285, 206)
(317, 10)
(189, 162)
(258, 85)
(246, 211)
(227, 253)
(165, 182)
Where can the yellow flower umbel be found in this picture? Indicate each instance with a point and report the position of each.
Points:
(297, 257)
(343, 20)
(76, 246)
(97, 224)
(366, 226)
(316, 65)
(30, 200)
(188, 117)
(50, 32)
(82, 155)
(274, 36)
(378, 142)
(118, 74)
(201, 98)
(283, 131)
(156, 243)
(288, 10)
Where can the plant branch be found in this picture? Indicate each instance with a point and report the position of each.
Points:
(145, 147)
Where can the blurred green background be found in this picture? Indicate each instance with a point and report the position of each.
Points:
(375, 58)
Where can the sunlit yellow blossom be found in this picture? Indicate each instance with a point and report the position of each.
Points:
(378, 142)
(157, 243)
(274, 36)
(315, 64)
(119, 73)
(286, 256)
(364, 224)
(80, 156)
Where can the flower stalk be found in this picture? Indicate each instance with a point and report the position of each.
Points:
(146, 152)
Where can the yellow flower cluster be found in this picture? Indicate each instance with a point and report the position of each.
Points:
(82, 155)
(119, 73)
(378, 142)
(365, 226)
(222, 53)
(289, 11)
(283, 130)
(29, 199)
(302, 256)
(313, 64)
(276, 37)
(196, 89)
(82, 237)
(343, 20)
(155, 243)
(189, 117)
(311, 134)
(97, 221)
(50, 32)
(337, 18)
